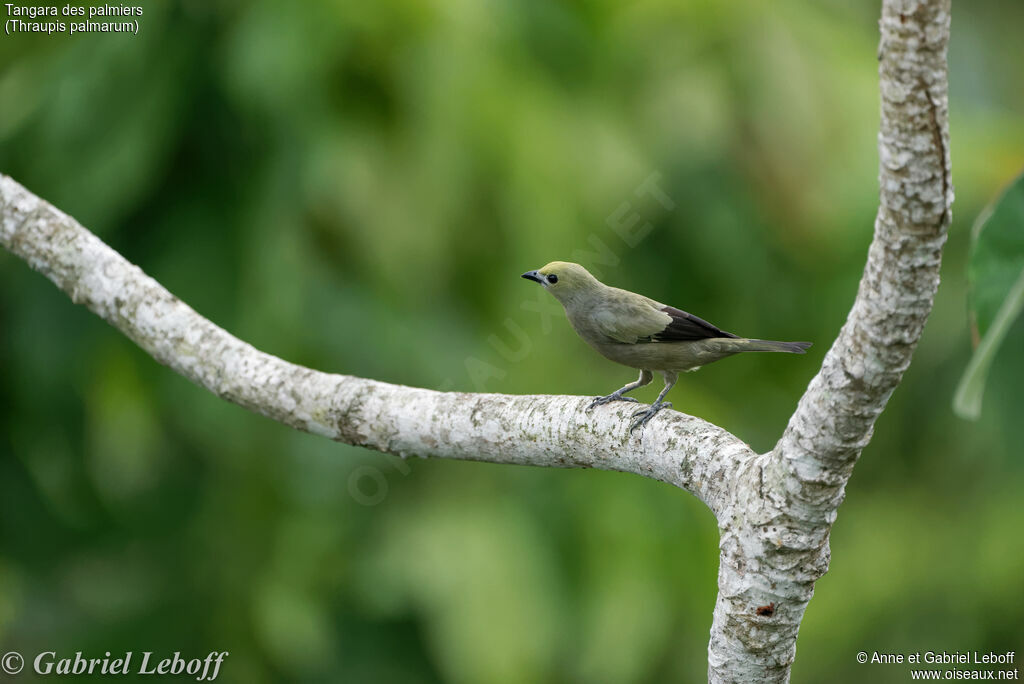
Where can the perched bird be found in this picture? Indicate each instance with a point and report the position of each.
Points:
(641, 333)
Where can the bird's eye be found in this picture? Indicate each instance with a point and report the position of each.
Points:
(552, 279)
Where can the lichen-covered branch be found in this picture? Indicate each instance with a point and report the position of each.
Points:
(775, 532)
(774, 510)
(531, 430)
(835, 417)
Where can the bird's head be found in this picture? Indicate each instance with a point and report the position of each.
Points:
(565, 280)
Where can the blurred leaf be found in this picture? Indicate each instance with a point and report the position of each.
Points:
(997, 255)
(996, 274)
(124, 458)
(293, 628)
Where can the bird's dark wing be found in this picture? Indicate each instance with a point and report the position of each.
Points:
(686, 327)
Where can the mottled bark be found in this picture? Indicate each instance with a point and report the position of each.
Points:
(774, 510)
(529, 430)
(775, 532)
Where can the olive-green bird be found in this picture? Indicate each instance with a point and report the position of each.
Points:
(641, 333)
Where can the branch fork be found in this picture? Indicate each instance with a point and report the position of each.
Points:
(774, 510)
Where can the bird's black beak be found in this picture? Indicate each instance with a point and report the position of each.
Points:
(534, 276)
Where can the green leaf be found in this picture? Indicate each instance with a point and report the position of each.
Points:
(996, 276)
(967, 401)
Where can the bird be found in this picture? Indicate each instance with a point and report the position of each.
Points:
(639, 332)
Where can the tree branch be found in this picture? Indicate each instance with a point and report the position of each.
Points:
(775, 546)
(774, 510)
(836, 415)
(552, 431)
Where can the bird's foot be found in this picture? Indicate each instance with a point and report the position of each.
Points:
(643, 416)
(614, 396)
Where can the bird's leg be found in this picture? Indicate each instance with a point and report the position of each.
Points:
(645, 378)
(642, 416)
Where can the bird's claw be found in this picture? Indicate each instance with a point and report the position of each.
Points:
(643, 416)
(601, 401)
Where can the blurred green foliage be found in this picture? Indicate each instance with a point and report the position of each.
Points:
(995, 274)
(356, 186)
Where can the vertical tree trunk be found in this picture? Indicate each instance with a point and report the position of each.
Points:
(775, 533)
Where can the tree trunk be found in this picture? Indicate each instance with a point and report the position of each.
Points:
(774, 510)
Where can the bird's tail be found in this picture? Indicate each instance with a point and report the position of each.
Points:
(772, 346)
